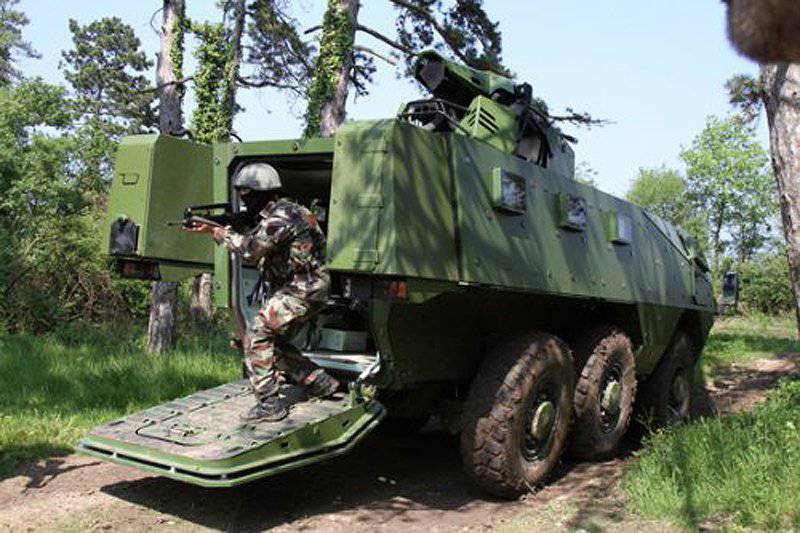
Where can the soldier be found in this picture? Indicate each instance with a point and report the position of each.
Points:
(289, 247)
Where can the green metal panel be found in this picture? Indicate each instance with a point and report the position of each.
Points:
(390, 209)
(200, 439)
(360, 169)
(492, 123)
(156, 177)
(539, 250)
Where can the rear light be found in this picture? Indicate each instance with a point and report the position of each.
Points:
(397, 290)
(139, 270)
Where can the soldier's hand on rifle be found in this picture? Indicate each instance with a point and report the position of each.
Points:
(203, 228)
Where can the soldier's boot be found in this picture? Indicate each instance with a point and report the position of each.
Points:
(321, 384)
(269, 409)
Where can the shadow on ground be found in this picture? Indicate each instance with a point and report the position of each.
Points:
(384, 477)
(415, 481)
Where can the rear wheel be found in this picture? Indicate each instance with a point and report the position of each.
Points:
(667, 396)
(604, 393)
(517, 414)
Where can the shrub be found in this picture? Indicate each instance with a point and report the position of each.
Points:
(764, 284)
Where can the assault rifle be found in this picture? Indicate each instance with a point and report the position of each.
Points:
(205, 214)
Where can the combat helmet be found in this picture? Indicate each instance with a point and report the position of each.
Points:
(258, 177)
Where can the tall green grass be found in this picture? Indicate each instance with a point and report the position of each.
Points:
(741, 470)
(56, 387)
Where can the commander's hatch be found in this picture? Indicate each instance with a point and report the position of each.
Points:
(200, 439)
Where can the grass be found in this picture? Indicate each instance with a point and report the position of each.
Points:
(740, 471)
(746, 338)
(54, 388)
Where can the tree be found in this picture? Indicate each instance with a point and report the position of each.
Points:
(460, 29)
(728, 182)
(11, 42)
(781, 83)
(663, 192)
(111, 95)
(164, 294)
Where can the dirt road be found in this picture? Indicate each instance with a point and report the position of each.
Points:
(412, 483)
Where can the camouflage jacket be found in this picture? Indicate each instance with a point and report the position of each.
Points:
(289, 248)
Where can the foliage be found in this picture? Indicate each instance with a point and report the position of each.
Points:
(11, 42)
(176, 52)
(50, 271)
(460, 28)
(279, 54)
(55, 387)
(741, 470)
(765, 285)
(338, 38)
(111, 95)
(211, 121)
(727, 180)
(662, 191)
(746, 93)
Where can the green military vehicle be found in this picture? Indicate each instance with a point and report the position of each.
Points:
(473, 278)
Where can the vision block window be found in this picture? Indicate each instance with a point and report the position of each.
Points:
(508, 192)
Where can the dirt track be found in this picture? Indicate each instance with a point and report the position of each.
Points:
(388, 483)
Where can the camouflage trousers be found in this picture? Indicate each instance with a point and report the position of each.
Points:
(266, 347)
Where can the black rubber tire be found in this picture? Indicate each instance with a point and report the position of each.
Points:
(607, 352)
(660, 406)
(494, 436)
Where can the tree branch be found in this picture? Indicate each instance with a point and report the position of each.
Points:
(159, 87)
(387, 40)
(153, 17)
(426, 15)
(372, 52)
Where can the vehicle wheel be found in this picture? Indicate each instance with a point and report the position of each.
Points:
(667, 394)
(517, 414)
(604, 394)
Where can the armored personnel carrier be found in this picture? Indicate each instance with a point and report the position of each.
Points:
(473, 278)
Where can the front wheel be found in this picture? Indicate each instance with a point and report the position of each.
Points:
(518, 414)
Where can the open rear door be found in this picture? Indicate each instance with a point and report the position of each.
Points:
(156, 177)
(200, 439)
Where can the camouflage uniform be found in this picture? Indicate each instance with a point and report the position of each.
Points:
(289, 246)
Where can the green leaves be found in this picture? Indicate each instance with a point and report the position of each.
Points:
(11, 42)
(728, 180)
(111, 96)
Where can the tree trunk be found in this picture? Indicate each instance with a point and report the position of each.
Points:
(161, 329)
(200, 306)
(164, 294)
(334, 110)
(781, 90)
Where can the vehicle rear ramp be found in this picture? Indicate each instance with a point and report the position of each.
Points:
(201, 439)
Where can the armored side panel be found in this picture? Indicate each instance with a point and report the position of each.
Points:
(391, 202)
(156, 177)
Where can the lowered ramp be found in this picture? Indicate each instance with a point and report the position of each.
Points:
(200, 438)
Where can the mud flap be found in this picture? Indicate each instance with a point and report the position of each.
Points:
(200, 439)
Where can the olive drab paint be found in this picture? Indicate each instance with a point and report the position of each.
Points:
(468, 201)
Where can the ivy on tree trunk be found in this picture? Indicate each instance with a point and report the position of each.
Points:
(327, 94)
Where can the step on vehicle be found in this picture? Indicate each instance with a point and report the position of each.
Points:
(473, 278)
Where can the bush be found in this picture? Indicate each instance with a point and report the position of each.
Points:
(56, 274)
(764, 284)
